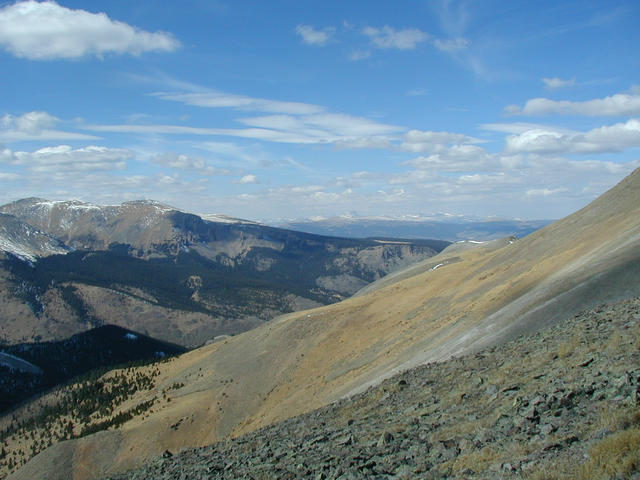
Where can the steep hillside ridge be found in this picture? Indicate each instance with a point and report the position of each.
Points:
(560, 404)
(447, 256)
(305, 360)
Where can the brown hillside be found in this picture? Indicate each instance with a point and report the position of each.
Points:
(308, 359)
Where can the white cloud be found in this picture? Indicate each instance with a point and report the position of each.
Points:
(614, 138)
(364, 142)
(64, 159)
(249, 179)
(488, 181)
(602, 167)
(302, 189)
(429, 141)
(457, 158)
(9, 176)
(312, 36)
(185, 162)
(555, 82)
(412, 177)
(388, 38)
(543, 192)
(46, 30)
(620, 104)
(35, 125)
(31, 122)
(520, 127)
(451, 45)
(5, 154)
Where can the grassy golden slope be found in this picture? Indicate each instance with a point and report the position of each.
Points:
(305, 360)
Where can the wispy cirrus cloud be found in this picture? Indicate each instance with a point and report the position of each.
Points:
(214, 99)
(289, 122)
(451, 45)
(264, 134)
(338, 125)
(47, 31)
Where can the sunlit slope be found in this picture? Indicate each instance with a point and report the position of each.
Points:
(449, 255)
(307, 359)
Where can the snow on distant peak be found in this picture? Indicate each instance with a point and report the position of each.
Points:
(75, 204)
(220, 218)
(25, 242)
(160, 208)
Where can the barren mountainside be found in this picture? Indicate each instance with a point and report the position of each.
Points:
(476, 298)
(563, 403)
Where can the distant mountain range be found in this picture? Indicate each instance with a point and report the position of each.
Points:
(69, 266)
(440, 226)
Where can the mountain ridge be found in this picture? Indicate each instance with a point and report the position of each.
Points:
(152, 268)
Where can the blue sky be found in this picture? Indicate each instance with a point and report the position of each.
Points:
(294, 109)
